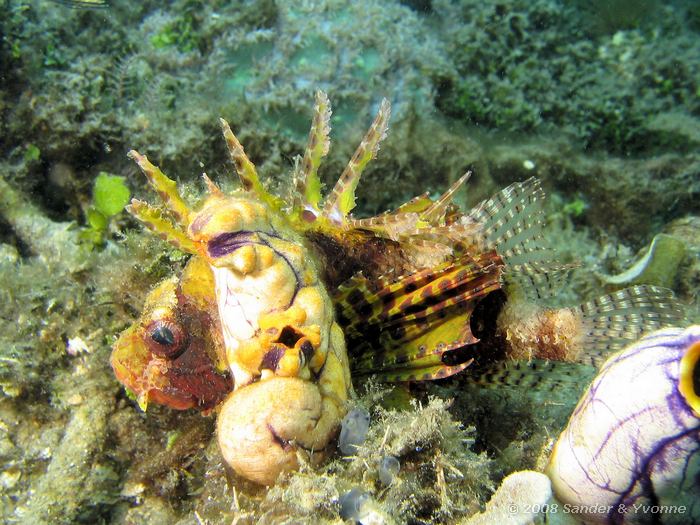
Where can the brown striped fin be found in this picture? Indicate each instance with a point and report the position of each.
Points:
(417, 296)
(341, 201)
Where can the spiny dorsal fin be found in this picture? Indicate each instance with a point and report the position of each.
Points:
(308, 184)
(153, 219)
(165, 187)
(341, 201)
(436, 212)
(247, 173)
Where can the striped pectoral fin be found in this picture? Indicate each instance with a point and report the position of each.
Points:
(613, 321)
(422, 354)
(537, 377)
(418, 296)
(427, 373)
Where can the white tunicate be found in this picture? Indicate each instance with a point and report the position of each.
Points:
(353, 431)
(389, 467)
(351, 504)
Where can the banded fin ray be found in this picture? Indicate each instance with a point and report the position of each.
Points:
(164, 186)
(307, 182)
(539, 378)
(436, 211)
(416, 296)
(341, 200)
(402, 330)
(611, 322)
(153, 219)
(245, 169)
(512, 222)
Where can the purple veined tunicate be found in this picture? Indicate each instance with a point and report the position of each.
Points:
(631, 450)
(353, 430)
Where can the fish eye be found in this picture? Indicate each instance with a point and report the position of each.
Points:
(166, 339)
(163, 336)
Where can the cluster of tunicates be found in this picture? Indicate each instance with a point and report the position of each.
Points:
(353, 430)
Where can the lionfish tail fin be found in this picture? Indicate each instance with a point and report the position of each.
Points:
(611, 322)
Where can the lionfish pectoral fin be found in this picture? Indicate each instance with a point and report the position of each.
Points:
(413, 362)
(404, 330)
(512, 221)
(426, 373)
(538, 377)
(613, 321)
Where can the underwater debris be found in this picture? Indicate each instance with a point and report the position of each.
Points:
(658, 266)
(353, 430)
(54, 242)
(634, 438)
(359, 506)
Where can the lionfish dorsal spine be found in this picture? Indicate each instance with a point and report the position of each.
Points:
(153, 219)
(436, 212)
(245, 168)
(341, 200)
(512, 222)
(165, 187)
(307, 182)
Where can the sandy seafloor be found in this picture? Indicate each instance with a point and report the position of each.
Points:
(599, 99)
